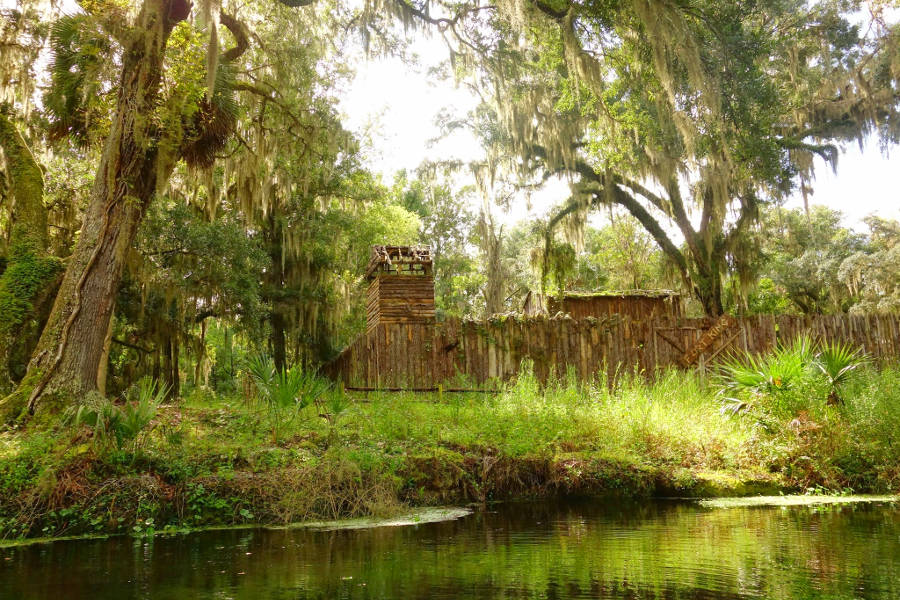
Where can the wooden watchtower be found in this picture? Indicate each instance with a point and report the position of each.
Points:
(401, 286)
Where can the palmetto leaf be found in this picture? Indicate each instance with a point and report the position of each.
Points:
(286, 388)
(838, 361)
(772, 372)
(80, 50)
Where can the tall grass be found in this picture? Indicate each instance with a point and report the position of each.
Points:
(673, 420)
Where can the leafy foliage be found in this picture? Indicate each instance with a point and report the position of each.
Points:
(774, 381)
(839, 362)
(121, 424)
(770, 373)
(720, 123)
(284, 393)
(77, 99)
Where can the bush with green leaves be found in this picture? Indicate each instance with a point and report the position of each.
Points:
(121, 424)
(774, 372)
(789, 378)
(284, 394)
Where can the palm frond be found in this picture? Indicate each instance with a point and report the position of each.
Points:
(80, 51)
(838, 361)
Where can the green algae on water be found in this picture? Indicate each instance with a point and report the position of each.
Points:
(417, 517)
(752, 501)
(414, 517)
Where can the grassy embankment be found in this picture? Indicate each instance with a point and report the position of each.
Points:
(213, 460)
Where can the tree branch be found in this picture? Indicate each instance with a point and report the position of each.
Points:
(295, 3)
(424, 15)
(267, 97)
(241, 37)
(548, 10)
(133, 346)
(624, 199)
(619, 196)
(654, 199)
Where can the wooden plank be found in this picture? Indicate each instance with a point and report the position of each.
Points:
(409, 352)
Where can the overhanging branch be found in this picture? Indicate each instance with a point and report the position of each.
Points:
(611, 190)
(241, 37)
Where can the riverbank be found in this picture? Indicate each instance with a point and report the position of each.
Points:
(219, 460)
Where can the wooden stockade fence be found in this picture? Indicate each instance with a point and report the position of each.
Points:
(468, 354)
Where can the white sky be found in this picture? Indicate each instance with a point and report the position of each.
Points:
(397, 104)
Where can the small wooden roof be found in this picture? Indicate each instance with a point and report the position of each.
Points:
(399, 258)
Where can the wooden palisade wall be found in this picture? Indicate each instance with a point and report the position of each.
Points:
(421, 355)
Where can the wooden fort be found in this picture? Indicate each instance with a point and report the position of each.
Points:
(401, 286)
(636, 304)
(587, 335)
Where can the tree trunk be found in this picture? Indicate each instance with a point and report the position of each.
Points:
(29, 282)
(171, 375)
(709, 292)
(200, 378)
(492, 248)
(103, 367)
(274, 293)
(707, 283)
(279, 354)
(67, 358)
(29, 216)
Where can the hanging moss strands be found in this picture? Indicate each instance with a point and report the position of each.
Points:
(687, 114)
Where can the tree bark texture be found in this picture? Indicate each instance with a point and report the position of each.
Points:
(66, 360)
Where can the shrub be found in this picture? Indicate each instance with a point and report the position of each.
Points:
(839, 362)
(284, 393)
(770, 373)
(121, 424)
(783, 380)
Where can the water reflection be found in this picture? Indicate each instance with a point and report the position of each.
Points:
(574, 550)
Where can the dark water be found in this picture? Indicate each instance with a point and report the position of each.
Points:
(584, 550)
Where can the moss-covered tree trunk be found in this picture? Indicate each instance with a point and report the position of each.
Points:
(66, 362)
(30, 279)
(708, 289)
(706, 278)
